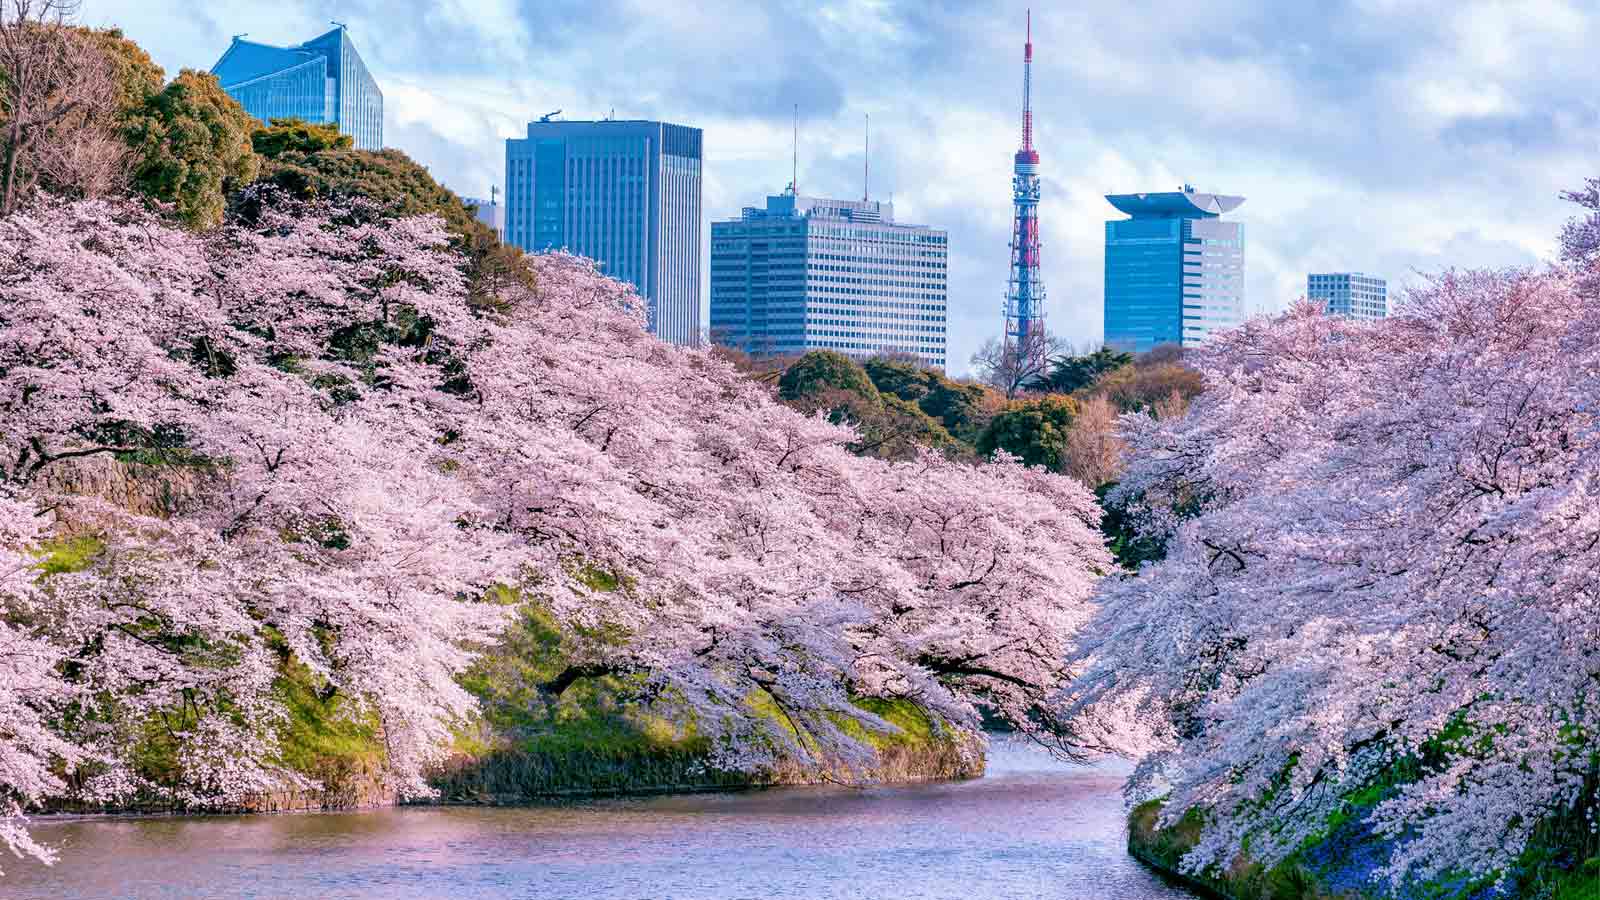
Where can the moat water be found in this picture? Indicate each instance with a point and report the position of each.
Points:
(1032, 827)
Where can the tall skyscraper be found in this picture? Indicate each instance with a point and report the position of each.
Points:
(1025, 293)
(322, 80)
(1349, 294)
(626, 194)
(1174, 271)
(807, 273)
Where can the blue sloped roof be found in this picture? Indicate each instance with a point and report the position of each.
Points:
(244, 60)
(1174, 204)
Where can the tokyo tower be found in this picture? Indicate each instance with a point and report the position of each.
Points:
(1025, 294)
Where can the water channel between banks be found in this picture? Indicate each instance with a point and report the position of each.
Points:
(1032, 827)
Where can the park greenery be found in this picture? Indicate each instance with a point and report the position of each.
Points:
(306, 478)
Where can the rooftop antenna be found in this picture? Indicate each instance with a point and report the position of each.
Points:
(866, 163)
(342, 26)
(241, 34)
(794, 171)
(549, 115)
(494, 191)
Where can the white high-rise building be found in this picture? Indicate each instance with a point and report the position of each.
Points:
(1349, 294)
(809, 273)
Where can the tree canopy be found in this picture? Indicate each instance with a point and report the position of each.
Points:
(1378, 543)
(298, 136)
(1034, 430)
(193, 147)
(1071, 373)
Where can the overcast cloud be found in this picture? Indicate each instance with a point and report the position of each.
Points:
(1384, 136)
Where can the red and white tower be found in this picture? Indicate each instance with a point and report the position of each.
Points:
(1025, 294)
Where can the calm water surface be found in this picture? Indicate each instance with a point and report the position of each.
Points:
(1031, 828)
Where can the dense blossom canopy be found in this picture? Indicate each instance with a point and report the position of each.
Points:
(353, 457)
(1381, 552)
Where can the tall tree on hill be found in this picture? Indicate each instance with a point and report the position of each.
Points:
(1011, 366)
(193, 143)
(58, 104)
(1072, 373)
(1580, 239)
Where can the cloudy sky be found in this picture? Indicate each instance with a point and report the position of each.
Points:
(1387, 136)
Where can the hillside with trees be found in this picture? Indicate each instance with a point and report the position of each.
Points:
(310, 485)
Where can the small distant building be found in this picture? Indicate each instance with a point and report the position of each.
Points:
(626, 194)
(322, 80)
(807, 273)
(489, 212)
(1349, 294)
(1174, 269)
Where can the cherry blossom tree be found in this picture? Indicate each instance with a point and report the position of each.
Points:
(1380, 542)
(356, 459)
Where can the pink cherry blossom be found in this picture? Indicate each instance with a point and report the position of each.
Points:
(333, 455)
(1381, 545)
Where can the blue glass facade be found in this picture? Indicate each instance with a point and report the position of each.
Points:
(626, 194)
(1349, 294)
(322, 80)
(1174, 272)
(807, 273)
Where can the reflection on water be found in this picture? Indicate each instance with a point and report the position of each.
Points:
(1031, 828)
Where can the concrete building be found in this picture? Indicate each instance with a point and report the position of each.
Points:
(1174, 270)
(490, 212)
(626, 194)
(808, 273)
(322, 80)
(1349, 294)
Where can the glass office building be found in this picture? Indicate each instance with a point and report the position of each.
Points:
(625, 194)
(1174, 271)
(1349, 294)
(807, 273)
(322, 80)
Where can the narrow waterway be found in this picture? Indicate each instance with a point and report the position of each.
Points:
(1031, 828)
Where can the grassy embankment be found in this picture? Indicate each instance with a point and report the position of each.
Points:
(1337, 862)
(596, 738)
(593, 739)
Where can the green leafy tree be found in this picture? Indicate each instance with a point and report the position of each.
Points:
(824, 371)
(960, 407)
(1034, 430)
(1072, 373)
(1156, 382)
(890, 426)
(284, 135)
(193, 145)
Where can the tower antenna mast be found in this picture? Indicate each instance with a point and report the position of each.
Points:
(866, 164)
(1024, 309)
(794, 171)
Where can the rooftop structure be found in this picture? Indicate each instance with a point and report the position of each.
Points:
(322, 80)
